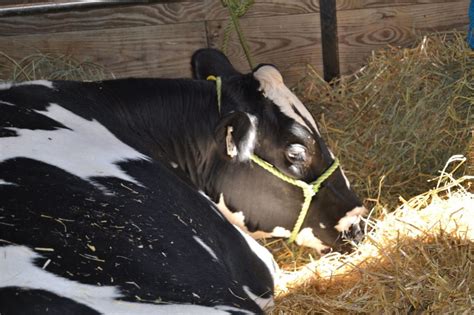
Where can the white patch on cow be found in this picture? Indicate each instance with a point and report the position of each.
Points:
(280, 232)
(348, 184)
(204, 194)
(173, 164)
(263, 303)
(331, 154)
(273, 87)
(7, 103)
(45, 83)
(238, 219)
(352, 217)
(2, 182)
(261, 252)
(86, 150)
(306, 238)
(213, 204)
(247, 144)
(18, 270)
(322, 225)
(206, 247)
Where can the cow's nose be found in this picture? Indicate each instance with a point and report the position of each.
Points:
(356, 233)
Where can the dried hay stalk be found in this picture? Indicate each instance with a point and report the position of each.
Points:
(50, 66)
(419, 258)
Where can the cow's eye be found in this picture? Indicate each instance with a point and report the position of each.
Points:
(296, 153)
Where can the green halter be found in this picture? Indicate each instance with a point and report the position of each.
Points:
(309, 189)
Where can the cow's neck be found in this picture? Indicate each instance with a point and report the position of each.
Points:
(176, 123)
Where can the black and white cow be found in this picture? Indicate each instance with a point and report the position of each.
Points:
(98, 190)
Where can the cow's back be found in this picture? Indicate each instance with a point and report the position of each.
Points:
(90, 218)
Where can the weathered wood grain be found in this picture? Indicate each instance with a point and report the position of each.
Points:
(289, 42)
(362, 31)
(367, 4)
(163, 50)
(262, 8)
(104, 18)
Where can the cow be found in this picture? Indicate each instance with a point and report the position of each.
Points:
(82, 162)
(214, 146)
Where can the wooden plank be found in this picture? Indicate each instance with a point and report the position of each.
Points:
(103, 18)
(367, 4)
(290, 42)
(163, 50)
(364, 30)
(329, 39)
(262, 8)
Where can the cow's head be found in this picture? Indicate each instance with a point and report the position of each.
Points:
(261, 117)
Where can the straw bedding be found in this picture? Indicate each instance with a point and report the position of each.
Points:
(393, 124)
(418, 258)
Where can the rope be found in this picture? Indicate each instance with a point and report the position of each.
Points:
(237, 9)
(309, 190)
(218, 89)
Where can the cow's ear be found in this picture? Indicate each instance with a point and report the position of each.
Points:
(209, 61)
(236, 135)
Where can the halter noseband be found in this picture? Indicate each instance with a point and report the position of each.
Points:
(309, 189)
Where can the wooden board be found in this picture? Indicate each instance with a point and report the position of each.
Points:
(163, 50)
(367, 4)
(103, 18)
(262, 8)
(362, 31)
(289, 42)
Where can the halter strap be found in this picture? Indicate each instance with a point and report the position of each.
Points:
(218, 89)
(309, 189)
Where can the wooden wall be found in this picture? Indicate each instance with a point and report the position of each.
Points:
(158, 39)
(367, 25)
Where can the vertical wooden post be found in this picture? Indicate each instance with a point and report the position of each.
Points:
(329, 39)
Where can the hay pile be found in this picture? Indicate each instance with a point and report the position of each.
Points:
(394, 124)
(399, 119)
(419, 258)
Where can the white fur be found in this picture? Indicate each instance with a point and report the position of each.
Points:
(206, 247)
(273, 87)
(348, 184)
(6, 103)
(86, 150)
(212, 204)
(352, 217)
(18, 270)
(2, 182)
(262, 253)
(7, 85)
(263, 303)
(306, 238)
(238, 219)
(247, 144)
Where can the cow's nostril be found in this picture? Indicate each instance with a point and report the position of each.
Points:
(356, 233)
(325, 251)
